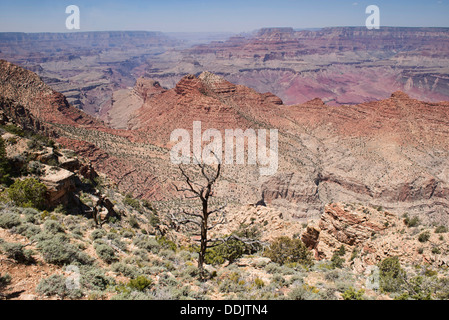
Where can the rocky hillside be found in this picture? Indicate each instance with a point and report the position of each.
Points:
(391, 152)
(64, 215)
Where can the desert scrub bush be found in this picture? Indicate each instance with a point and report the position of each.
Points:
(141, 283)
(97, 234)
(128, 234)
(105, 252)
(94, 279)
(228, 251)
(53, 227)
(77, 232)
(130, 201)
(442, 289)
(142, 255)
(126, 270)
(391, 275)
(5, 280)
(337, 260)
(274, 268)
(189, 272)
(436, 250)
(5, 170)
(131, 295)
(167, 244)
(441, 229)
(424, 236)
(166, 279)
(9, 219)
(418, 288)
(55, 285)
(28, 193)
(352, 294)
(31, 215)
(35, 168)
(17, 252)
(133, 223)
(411, 222)
(286, 250)
(57, 249)
(303, 292)
(333, 275)
(147, 243)
(259, 283)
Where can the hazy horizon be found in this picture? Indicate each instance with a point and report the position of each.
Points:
(232, 16)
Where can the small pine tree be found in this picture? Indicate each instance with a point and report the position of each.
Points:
(4, 174)
(286, 250)
(28, 193)
(391, 275)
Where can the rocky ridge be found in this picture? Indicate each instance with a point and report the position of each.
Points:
(341, 65)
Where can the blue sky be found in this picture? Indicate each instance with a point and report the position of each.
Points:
(214, 16)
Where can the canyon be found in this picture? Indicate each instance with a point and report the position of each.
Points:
(390, 153)
(97, 71)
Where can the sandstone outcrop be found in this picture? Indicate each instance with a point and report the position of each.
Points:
(60, 185)
(370, 235)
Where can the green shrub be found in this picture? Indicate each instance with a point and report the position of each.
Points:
(259, 283)
(442, 289)
(351, 294)
(105, 253)
(5, 280)
(133, 222)
(95, 279)
(130, 201)
(28, 193)
(337, 260)
(4, 164)
(55, 285)
(57, 250)
(11, 128)
(9, 220)
(53, 227)
(167, 244)
(97, 234)
(148, 244)
(27, 230)
(436, 250)
(341, 251)
(303, 292)
(228, 251)
(440, 229)
(391, 275)
(286, 250)
(424, 237)
(17, 252)
(413, 222)
(125, 269)
(140, 283)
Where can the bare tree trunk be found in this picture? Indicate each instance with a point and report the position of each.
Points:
(203, 193)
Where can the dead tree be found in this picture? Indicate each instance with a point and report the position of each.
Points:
(201, 219)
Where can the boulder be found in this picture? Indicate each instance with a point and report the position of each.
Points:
(60, 184)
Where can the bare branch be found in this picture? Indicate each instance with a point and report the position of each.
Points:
(218, 209)
(188, 181)
(183, 221)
